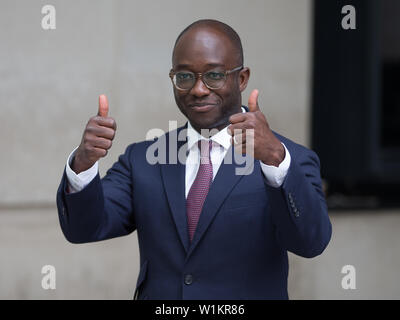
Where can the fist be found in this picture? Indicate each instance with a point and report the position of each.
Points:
(96, 140)
(263, 144)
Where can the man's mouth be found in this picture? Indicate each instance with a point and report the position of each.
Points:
(202, 107)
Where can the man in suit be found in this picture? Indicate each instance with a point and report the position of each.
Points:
(204, 231)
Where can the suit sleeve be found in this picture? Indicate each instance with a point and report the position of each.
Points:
(299, 209)
(103, 209)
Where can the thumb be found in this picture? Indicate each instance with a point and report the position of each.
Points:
(103, 106)
(253, 101)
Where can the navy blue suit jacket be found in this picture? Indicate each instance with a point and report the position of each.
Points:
(239, 250)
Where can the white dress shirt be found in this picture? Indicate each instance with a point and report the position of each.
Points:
(275, 176)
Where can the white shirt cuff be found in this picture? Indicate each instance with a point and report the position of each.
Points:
(276, 175)
(77, 182)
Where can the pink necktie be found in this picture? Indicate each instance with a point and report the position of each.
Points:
(199, 190)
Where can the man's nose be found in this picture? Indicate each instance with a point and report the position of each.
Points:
(199, 89)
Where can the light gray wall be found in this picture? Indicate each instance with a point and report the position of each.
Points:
(108, 270)
(50, 81)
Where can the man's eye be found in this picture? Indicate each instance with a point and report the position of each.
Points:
(184, 76)
(215, 75)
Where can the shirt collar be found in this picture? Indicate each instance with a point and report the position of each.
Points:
(222, 138)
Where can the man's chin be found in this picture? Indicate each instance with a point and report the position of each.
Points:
(209, 125)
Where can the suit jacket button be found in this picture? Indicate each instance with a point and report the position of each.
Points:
(188, 279)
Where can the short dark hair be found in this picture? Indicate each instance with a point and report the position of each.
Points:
(224, 28)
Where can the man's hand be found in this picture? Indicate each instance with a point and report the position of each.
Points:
(265, 145)
(97, 138)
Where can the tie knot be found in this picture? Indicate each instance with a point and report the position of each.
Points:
(205, 148)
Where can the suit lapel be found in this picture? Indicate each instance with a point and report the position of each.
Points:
(173, 176)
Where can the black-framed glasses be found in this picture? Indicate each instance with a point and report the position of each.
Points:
(213, 79)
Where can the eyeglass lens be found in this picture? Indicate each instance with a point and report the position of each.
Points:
(186, 80)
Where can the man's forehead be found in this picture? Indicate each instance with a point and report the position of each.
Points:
(207, 36)
(203, 43)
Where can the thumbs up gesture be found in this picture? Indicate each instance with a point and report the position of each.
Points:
(263, 144)
(97, 138)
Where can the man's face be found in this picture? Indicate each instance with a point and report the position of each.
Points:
(201, 50)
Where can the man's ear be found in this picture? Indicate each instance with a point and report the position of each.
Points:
(244, 76)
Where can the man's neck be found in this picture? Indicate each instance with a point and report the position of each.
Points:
(209, 132)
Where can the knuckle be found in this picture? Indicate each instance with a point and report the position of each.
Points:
(89, 149)
(93, 119)
(86, 143)
(251, 124)
(89, 140)
(90, 128)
